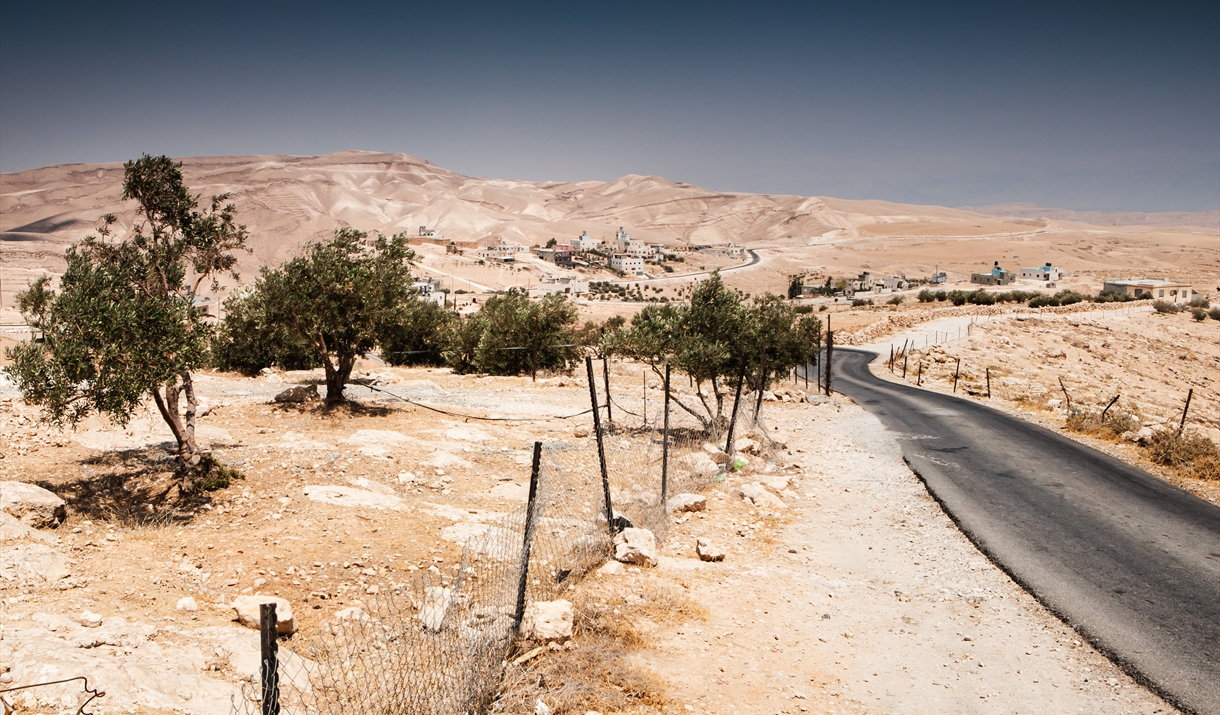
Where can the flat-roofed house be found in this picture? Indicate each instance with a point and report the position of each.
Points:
(1157, 288)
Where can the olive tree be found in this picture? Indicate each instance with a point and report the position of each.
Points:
(512, 335)
(716, 338)
(341, 298)
(123, 324)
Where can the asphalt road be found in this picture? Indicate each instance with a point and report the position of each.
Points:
(1130, 562)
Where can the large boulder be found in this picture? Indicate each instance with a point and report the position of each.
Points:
(300, 393)
(248, 607)
(32, 505)
(635, 546)
(548, 620)
(718, 455)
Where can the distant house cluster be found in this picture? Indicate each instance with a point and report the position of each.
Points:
(997, 277)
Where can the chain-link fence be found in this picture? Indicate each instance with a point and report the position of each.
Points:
(437, 645)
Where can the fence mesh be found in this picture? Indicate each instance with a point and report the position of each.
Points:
(437, 644)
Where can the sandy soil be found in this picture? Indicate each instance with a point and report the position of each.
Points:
(862, 544)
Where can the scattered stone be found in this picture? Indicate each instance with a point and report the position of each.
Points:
(548, 620)
(612, 568)
(635, 546)
(89, 619)
(708, 552)
(1054, 404)
(581, 431)
(32, 505)
(687, 502)
(1145, 435)
(298, 394)
(746, 445)
(700, 464)
(247, 608)
(718, 455)
(757, 495)
(540, 708)
(187, 604)
(775, 484)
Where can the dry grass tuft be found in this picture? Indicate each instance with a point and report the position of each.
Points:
(594, 670)
(1190, 453)
(1112, 428)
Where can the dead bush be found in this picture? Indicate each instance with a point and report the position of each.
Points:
(593, 671)
(1189, 453)
(1114, 425)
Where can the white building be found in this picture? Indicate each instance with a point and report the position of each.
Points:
(1045, 274)
(583, 243)
(894, 282)
(1158, 288)
(626, 263)
(506, 253)
(566, 285)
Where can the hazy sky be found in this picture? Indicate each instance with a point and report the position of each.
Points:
(1085, 106)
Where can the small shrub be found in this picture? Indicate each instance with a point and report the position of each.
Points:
(861, 302)
(822, 308)
(895, 300)
(1044, 301)
(941, 296)
(1198, 314)
(804, 309)
(1069, 297)
(980, 297)
(1115, 424)
(1214, 313)
(1190, 453)
(926, 296)
(1164, 306)
(1112, 297)
(1199, 301)
(958, 297)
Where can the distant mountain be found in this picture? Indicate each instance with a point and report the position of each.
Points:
(1203, 219)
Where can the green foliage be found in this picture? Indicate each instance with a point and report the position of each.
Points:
(895, 300)
(795, 284)
(1214, 313)
(861, 302)
(1199, 301)
(717, 337)
(1164, 306)
(512, 335)
(341, 298)
(926, 296)
(1113, 297)
(245, 342)
(123, 324)
(941, 296)
(1198, 314)
(420, 335)
(552, 243)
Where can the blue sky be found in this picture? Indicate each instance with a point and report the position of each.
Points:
(1086, 106)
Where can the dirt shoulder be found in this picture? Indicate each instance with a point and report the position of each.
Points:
(863, 597)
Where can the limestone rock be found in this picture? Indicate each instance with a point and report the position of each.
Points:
(746, 445)
(187, 604)
(548, 620)
(1144, 435)
(581, 431)
(89, 619)
(32, 505)
(612, 568)
(436, 606)
(699, 464)
(718, 455)
(757, 495)
(687, 502)
(352, 496)
(635, 546)
(350, 614)
(298, 394)
(708, 552)
(247, 608)
(775, 484)
(32, 563)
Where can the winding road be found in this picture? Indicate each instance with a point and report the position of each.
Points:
(1129, 561)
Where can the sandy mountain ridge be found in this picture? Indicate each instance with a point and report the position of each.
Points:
(288, 200)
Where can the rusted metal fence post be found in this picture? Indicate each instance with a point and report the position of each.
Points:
(957, 371)
(1185, 409)
(270, 673)
(919, 375)
(530, 511)
(601, 447)
(606, 378)
(830, 346)
(665, 447)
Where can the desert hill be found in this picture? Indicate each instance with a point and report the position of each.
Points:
(288, 200)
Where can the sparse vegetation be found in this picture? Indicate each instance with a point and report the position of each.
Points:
(1189, 453)
(861, 302)
(1214, 313)
(124, 324)
(1165, 307)
(926, 296)
(895, 300)
(1111, 428)
(1198, 314)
